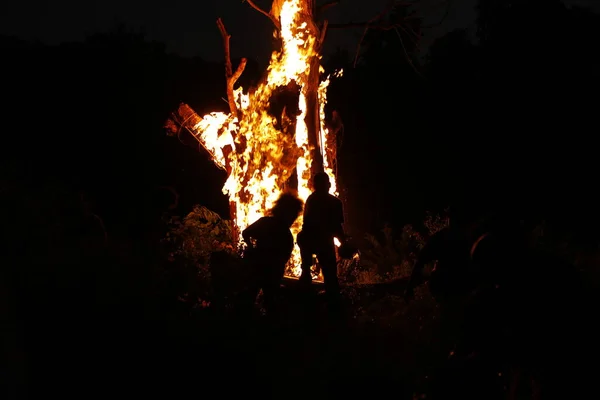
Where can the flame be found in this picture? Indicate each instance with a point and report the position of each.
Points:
(257, 174)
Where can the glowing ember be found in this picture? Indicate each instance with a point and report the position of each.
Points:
(260, 168)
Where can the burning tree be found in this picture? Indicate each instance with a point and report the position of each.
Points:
(275, 137)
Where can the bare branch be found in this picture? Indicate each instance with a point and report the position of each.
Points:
(263, 12)
(321, 9)
(443, 18)
(370, 23)
(238, 72)
(410, 61)
(362, 38)
(229, 74)
(226, 37)
(410, 33)
(376, 23)
(375, 19)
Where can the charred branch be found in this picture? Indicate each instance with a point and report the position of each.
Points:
(266, 14)
(231, 76)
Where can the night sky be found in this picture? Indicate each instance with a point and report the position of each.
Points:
(188, 27)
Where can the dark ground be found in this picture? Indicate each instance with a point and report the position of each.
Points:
(382, 347)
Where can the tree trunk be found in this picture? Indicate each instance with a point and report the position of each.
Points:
(313, 122)
(311, 89)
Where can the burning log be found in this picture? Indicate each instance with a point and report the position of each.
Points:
(187, 118)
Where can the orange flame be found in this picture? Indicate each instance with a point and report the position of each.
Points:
(258, 176)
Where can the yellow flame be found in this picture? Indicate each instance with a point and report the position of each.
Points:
(257, 175)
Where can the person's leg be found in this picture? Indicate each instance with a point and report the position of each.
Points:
(270, 286)
(247, 296)
(326, 257)
(306, 254)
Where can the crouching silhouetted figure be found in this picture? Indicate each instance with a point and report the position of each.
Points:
(451, 280)
(270, 244)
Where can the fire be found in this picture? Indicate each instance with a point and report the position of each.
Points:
(259, 172)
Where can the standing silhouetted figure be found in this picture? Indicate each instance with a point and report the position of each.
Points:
(323, 221)
(270, 244)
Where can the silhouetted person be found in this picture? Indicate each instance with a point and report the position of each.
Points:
(451, 277)
(323, 221)
(526, 294)
(451, 280)
(270, 244)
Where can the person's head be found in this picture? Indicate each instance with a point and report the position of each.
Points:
(321, 182)
(287, 208)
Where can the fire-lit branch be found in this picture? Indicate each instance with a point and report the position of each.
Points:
(231, 76)
(323, 33)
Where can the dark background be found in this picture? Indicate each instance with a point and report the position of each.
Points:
(497, 116)
(496, 113)
(188, 28)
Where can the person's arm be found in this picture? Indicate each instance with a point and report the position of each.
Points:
(339, 227)
(252, 231)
